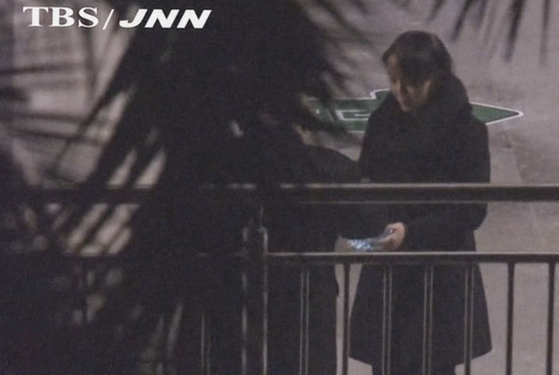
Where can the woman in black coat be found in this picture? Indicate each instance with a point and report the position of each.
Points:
(423, 132)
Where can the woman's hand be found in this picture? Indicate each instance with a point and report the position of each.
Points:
(395, 240)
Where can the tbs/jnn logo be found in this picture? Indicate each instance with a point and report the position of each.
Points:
(88, 17)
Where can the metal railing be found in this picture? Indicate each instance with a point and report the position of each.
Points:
(256, 259)
(428, 260)
(256, 239)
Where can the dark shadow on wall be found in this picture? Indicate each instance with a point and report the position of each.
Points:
(199, 96)
(205, 98)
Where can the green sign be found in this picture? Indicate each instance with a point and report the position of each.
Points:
(352, 114)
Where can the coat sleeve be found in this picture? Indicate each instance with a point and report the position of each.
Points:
(444, 227)
(350, 221)
(364, 162)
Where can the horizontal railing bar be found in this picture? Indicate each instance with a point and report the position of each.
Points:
(315, 193)
(327, 257)
(81, 195)
(390, 193)
(314, 258)
(56, 259)
(413, 257)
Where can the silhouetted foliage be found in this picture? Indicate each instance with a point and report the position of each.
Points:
(219, 103)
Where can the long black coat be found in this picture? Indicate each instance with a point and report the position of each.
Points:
(443, 143)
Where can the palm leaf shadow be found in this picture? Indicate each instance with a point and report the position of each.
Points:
(188, 90)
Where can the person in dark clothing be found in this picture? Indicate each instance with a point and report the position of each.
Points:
(287, 155)
(296, 228)
(423, 132)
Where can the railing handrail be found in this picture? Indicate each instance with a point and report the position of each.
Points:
(316, 193)
(414, 257)
(330, 257)
(356, 193)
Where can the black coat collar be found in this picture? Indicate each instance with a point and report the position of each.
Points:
(448, 104)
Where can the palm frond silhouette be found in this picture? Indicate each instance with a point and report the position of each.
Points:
(172, 109)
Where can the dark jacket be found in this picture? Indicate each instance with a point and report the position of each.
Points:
(444, 143)
(291, 228)
(296, 228)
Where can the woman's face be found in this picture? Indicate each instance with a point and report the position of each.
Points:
(410, 96)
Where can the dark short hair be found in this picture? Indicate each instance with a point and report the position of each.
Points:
(421, 56)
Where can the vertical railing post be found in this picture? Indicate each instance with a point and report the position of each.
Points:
(550, 318)
(304, 322)
(255, 290)
(345, 347)
(468, 317)
(386, 320)
(510, 318)
(427, 318)
(204, 345)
